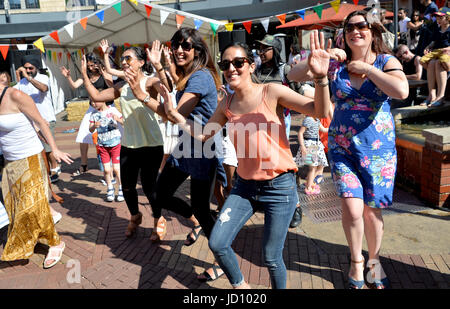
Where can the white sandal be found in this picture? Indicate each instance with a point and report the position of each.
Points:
(55, 254)
(374, 276)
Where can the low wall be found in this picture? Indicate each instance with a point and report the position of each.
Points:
(76, 109)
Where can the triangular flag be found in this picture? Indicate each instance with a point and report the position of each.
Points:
(79, 53)
(134, 1)
(101, 16)
(118, 7)
(4, 50)
(54, 57)
(22, 46)
(83, 22)
(265, 23)
(214, 27)
(59, 56)
(248, 25)
(39, 44)
(55, 36)
(355, 2)
(198, 23)
(68, 56)
(69, 30)
(148, 9)
(301, 13)
(318, 9)
(229, 27)
(49, 55)
(164, 15)
(282, 18)
(335, 4)
(179, 19)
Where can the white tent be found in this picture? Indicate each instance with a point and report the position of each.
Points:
(121, 22)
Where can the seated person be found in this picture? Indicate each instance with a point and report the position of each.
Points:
(411, 67)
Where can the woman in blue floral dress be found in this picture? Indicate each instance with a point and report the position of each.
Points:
(361, 140)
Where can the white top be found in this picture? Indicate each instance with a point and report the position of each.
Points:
(402, 24)
(42, 99)
(18, 139)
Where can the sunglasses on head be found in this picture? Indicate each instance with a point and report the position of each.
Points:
(361, 26)
(185, 45)
(237, 62)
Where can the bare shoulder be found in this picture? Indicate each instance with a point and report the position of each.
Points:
(393, 63)
(17, 95)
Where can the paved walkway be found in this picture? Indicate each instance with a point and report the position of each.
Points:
(415, 251)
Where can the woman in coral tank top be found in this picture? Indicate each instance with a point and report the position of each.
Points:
(266, 169)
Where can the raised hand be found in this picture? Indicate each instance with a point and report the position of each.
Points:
(319, 59)
(83, 65)
(167, 55)
(131, 77)
(336, 53)
(168, 105)
(104, 45)
(65, 72)
(154, 55)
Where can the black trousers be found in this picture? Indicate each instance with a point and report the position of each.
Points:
(169, 181)
(143, 162)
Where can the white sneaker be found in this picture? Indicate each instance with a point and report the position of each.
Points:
(56, 217)
(110, 195)
(120, 197)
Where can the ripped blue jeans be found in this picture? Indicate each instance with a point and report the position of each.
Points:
(277, 198)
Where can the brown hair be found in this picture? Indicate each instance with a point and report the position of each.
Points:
(202, 59)
(378, 45)
(8, 77)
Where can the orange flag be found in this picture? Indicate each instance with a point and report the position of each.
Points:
(4, 50)
(248, 26)
(83, 22)
(148, 9)
(180, 19)
(282, 18)
(55, 36)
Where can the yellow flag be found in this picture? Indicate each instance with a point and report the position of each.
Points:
(134, 1)
(335, 4)
(54, 57)
(39, 44)
(229, 26)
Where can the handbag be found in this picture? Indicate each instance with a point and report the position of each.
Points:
(312, 154)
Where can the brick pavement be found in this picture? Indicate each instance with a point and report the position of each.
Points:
(93, 230)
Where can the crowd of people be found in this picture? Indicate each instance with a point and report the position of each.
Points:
(178, 121)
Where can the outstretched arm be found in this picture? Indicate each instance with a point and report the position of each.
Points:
(66, 73)
(105, 48)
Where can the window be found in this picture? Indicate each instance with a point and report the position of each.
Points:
(32, 4)
(2, 4)
(14, 4)
(75, 3)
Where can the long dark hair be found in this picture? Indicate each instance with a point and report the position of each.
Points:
(91, 57)
(378, 45)
(202, 59)
(140, 55)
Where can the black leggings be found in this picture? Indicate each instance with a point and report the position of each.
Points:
(143, 162)
(169, 181)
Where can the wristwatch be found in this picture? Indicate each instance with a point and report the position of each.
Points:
(147, 99)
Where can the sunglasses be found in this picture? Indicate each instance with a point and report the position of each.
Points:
(265, 50)
(185, 45)
(361, 26)
(237, 62)
(126, 58)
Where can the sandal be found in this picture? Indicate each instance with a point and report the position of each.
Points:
(54, 254)
(161, 230)
(355, 284)
(135, 221)
(207, 276)
(373, 277)
(191, 240)
(436, 103)
(318, 179)
(314, 191)
(83, 169)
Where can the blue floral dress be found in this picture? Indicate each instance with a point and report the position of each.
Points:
(361, 139)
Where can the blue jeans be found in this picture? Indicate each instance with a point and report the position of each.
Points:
(278, 198)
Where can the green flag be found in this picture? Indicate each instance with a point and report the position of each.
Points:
(118, 7)
(318, 9)
(214, 27)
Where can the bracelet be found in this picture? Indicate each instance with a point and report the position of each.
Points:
(162, 69)
(320, 83)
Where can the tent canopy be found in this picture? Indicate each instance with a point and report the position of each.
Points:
(329, 18)
(132, 26)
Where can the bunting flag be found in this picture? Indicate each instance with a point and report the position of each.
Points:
(281, 18)
(198, 23)
(54, 57)
(39, 44)
(101, 16)
(148, 9)
(79, 53)
(164, 15)
(49, 55)
(229, 27)
(179, 19)
(69, 30)
(22, 46)
(248, 25)
(4, 49)
(83, 22)
(118, 7)
(68, 56)
(318, 9)
(265, 23)
(55, 36)
(59, 56)
(301, 13)
(214, 27)
(355, 2)
(336, 4)
(134, 1)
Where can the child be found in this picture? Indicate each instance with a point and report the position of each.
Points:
(105, 122)
(311, 152)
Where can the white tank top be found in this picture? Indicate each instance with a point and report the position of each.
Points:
(18, 139)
